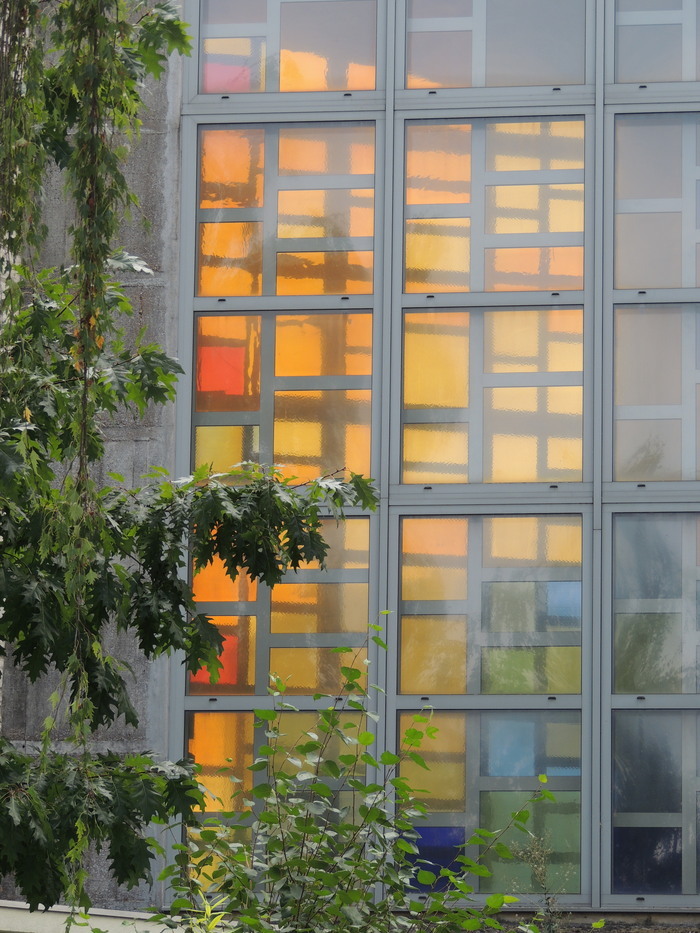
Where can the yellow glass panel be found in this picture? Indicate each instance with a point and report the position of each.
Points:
(438, 163)
(331, 212)
(237, 675)
(225, 446)
(232, 167)
(296, 728)
(515, 398)
(212, 584)
(531, 670)
(547, 268)
(512, 539)
(533, 340)
(534, 209)
(228, 363)
(520, 146)
(314, 670)
(433, 654)
(436, 360)
(445, 783)
(437, 255)
(326, 150)
(565, 400)
(322, 431)
(435, 453)
(348, 544)
(532, 541)
(323, 345)
(565, 454)
(434, 558)
(319, 607)
(216, 740)
(563, 542)
(514, 459)
(229, 260)
(337, 272)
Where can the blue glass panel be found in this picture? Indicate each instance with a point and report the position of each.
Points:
(647, 860)
(508, 746)
(564, 603)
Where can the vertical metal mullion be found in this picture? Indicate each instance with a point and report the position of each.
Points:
(477, 261)
(273, 38)
(688, 394)
(597, 360)
(479, 39)
(270, 197)
(476, 435)
(689, 758)
(689, 183)
(689, 41)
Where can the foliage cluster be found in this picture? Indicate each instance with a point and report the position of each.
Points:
(327, 837)
(79, 559)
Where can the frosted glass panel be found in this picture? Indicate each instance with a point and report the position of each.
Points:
(319, 607)
(224, 446)
(437, 255)
(228, 364)
(436, 360)
(435, 453)
(313, 670)
(328, 46)
(232, 164)
(326, 150)
(325, 213)
(438, 163)
(323, 345)
(531, 670)
(229, 260)
(433, 654)
(213, 584)
(237, 674)
(527, 146)
(434, 552)
(647, 652)
(327, 273)
(213, 740)
(316, 432)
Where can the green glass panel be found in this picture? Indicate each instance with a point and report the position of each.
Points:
(531, 670)
(648, 652)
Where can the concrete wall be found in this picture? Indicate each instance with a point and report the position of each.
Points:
(133, 445)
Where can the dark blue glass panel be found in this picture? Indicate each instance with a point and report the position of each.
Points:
(647, 860)
(440, 846)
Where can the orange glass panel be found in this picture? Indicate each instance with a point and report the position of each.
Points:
(214, 741)
(237, 675)
(341, 272)
(228, 363)
(319, 607)
(437, 255)
(313, 670)
(225, 446)
(323, 345)
(326, 150)
(328, 46)
(326, 212)
(231, 167)
(438, 163)
(435, 453)
(434, 654)
(213, 585)
(229, 260)
(322, 431)
(348, 544)
(436, 360)
(434, 558)
(548, 268)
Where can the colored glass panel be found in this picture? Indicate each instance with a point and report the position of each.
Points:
(237, 673)
(323, 345)
(227, 363)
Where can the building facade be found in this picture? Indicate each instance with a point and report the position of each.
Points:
(455, 244)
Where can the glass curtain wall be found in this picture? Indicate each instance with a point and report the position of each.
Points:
(454, 244)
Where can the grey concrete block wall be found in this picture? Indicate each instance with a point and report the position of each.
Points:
(133, 445)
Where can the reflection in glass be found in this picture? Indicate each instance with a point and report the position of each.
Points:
(438, 163)
(231, 167)
(525, 268)
(437, 255)
(332, 212)
(647, 651)
(521, 146)
(326, 150)
(531, 670)
(340, 272)
(328, 46)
